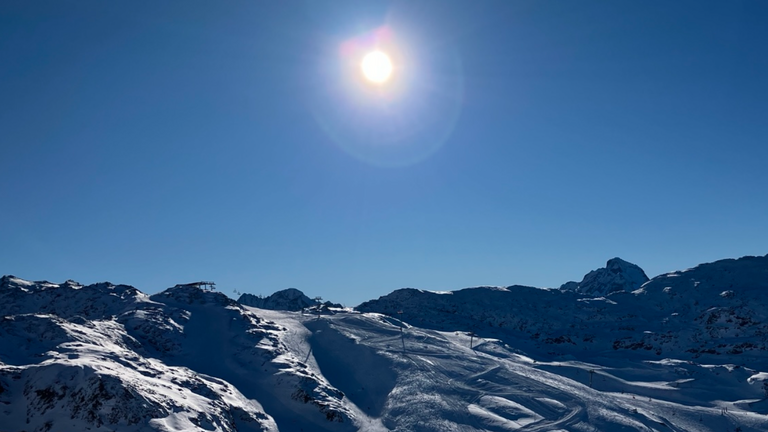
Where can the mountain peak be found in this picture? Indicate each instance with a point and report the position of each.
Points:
(290, 299)
(616, 261)
(190, 294)
(617, 275)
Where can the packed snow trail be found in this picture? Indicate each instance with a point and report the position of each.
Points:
(111, 358)
(437, 383)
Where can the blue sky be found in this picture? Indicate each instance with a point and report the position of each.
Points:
(155, 143)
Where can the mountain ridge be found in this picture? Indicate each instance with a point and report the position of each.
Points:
(688, 313)
(678, 351)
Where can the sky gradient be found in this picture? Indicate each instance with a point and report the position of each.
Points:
(152, 144)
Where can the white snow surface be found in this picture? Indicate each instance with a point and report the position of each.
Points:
(109, 358)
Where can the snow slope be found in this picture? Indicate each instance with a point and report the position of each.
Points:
(167, 362)
(717, 312)
(70, 376)
(684, 352)
(401, 378)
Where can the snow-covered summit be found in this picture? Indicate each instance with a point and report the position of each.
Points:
(687, 350)
(617, 275)
(108, 357)
(68, 299)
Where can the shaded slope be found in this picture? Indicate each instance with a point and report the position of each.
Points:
(718, 310)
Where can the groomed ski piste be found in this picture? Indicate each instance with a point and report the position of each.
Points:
(396, 377)
(685, 351)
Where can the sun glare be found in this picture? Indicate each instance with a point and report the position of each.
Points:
(377, 67)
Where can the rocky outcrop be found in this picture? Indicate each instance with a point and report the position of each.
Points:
(617, 275)
(289, 299)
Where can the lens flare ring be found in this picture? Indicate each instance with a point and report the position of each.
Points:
(402, 115)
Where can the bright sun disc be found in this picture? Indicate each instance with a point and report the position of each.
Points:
(377, 67)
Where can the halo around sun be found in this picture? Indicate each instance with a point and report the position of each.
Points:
(376, 67)
(384, 102)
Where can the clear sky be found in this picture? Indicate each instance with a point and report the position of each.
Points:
(154, 143)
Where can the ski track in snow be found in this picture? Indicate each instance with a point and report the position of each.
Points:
(452, 387)
(110, 358)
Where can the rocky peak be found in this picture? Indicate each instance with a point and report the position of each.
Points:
(617, 275)
(289, 299)
(190, 294)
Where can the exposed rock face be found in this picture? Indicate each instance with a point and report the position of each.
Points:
(617, 275)
(289, 299)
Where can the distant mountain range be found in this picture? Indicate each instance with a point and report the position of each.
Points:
(719, 310)
(614, 352)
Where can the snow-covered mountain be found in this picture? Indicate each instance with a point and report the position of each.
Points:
(671, 355)
(617, 275)
(112, 358)
(717, 310)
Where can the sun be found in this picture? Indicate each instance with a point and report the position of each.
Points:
(376, 67)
